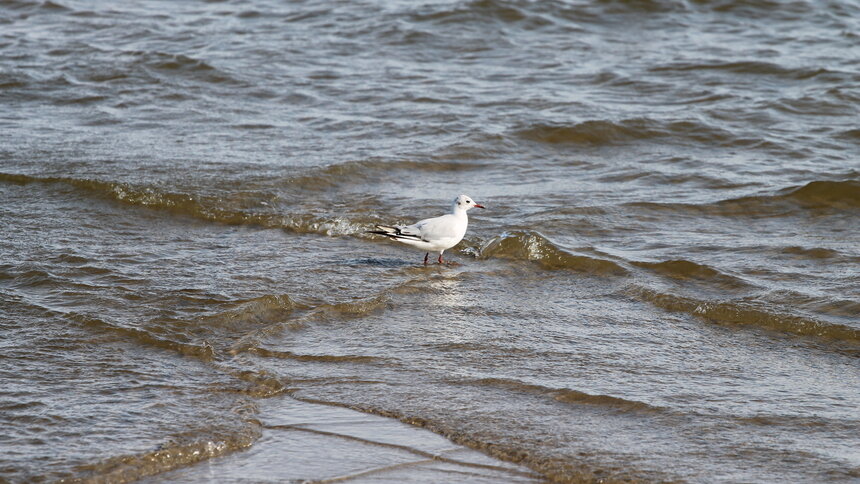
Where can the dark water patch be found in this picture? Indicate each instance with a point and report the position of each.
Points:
(566, 395)
(80, 100)
(852, 135)
(474, 11)
(642, 6)
(686, 270)
(813, 106)
(254, 126)
(608, 133)
(24, 87)
(798, 423)
(250, 14)
(533, 247)
(811, 253)
(49, 5)
(838, 194)
(756, 68)
(785, 10)
(14, 80)
(175, 65)
(35, 278)
(745, 314)
(289, 355)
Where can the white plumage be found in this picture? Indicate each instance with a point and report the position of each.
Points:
(433, 234)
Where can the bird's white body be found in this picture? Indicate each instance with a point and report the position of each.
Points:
(434, 234)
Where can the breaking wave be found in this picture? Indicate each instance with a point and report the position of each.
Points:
(169, 456)
(199, 207)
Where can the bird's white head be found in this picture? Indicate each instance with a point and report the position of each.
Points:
(465, 202)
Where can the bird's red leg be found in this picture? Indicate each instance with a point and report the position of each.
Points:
(426, 258)
(440, 258)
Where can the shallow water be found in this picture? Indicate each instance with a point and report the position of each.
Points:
(664, 285)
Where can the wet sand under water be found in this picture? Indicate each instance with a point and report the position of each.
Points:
(304, 442)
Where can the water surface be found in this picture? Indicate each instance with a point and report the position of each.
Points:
(664, 286)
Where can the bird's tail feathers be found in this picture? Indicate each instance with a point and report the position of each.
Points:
(385, 230)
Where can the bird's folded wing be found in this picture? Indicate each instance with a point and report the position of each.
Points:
(436, 228)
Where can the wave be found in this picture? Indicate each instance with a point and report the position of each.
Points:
(848, 135)
(642, 6)
(761, 68)
(250, 340)
(815, 194)
(171, 65)
(686, 270)
(608, 133)
(566, 395)
(827, 193)
(844, 194)
(35, 4)
(209, 209)
(203, 350)
(811, 253)
(477, 10)
(531, 246)
(739, 313)
(260, 310)
(170, 456)
(354, 309)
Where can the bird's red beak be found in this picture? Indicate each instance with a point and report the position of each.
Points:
(479, 206)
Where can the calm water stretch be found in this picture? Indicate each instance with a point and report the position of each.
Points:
(665, 285)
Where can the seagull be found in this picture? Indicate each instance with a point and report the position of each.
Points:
(433, 234)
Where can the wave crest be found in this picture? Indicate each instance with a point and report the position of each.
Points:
(195, 206)
(168, 457)
(531, 246)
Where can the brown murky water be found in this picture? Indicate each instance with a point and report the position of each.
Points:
(665, 285)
